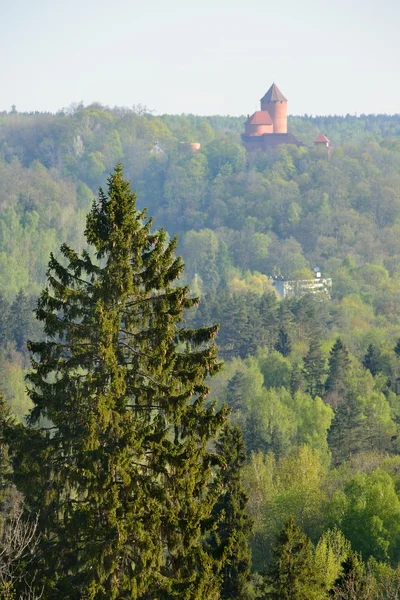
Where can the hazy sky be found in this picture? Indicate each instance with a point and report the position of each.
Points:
(204, 56)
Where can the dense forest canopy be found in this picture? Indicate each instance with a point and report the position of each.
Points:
(312, 383)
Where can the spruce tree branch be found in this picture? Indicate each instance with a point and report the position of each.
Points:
(142, 300)
(138, 352)
(76, 278)
(144, 407)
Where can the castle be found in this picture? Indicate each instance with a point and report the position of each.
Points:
(267, 128)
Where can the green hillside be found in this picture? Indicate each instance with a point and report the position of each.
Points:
(313, 383)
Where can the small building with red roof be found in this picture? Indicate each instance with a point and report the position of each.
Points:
(321, 140)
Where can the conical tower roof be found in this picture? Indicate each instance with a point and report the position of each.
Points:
(273, 95)
(321, 138)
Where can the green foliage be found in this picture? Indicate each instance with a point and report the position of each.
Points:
(293, 485)
(314, 369)
(293, 575)
(354, 582)
(283, 343)
(122, 477)
(331, 551)
(275, 368)
(230, 539)
(242, 218)
(338, 365)
(371, 519)
(371, 360)
(344, 436)
(224, 156)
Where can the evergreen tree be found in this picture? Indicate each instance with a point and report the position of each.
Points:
(269, 320)
(234, 336)
(230, 539)
(293, 575)
(5, 324)
(338, 365)
(296, 379)
(21, 316)
(370, 360)
(114, 457)
(251, 330)
(204, 314)
(346, 435)
(283, 343)
(314, 369)
(397, 348)
(235, 391)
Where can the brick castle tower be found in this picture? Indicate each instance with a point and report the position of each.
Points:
(267, 128)
(275, 103)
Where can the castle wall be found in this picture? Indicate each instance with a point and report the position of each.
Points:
(268, 141)
(256, 130)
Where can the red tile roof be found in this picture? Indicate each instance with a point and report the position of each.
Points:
(273, 95)
(260, 117)
(321, 139)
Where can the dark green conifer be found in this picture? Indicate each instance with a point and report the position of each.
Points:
(251, 328)
(21, 317)
(283, 343)
(121, 474)
(314, 369)
(235, 391)
(234, 337)
(346, 435)
(338, 365)
(371, 360)
(234, 526)
(397, 348)
(292, 574)
(269, 320)
(5, 322)
(296, 379)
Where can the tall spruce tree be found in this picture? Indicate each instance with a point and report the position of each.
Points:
(269, 320)
(114, 457)
(314, 369)
(235, 391)
(5, 324)
(21, 318)
(283, 342)
(293, 575)
(338, 366)
(371, 360)
(346, 435)
(234, 526)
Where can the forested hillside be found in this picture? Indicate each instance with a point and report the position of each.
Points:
(312, 382)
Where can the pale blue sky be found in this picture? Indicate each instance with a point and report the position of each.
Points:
(204, 57)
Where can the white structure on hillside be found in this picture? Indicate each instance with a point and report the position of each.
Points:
(295, 288)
